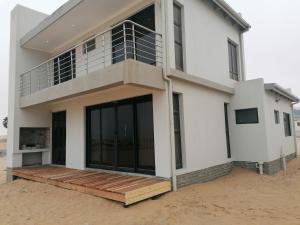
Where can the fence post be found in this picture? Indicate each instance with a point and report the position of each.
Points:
(125, 44)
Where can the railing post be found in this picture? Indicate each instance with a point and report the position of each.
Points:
(71, 58)
(58, 66)
(103, 49)
(21, 85)
(125, 44)
(30, 82)
(133, 41)
(87, 58)
(48, 75)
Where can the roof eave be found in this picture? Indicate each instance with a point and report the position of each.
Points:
(232, 14)
(281, 91)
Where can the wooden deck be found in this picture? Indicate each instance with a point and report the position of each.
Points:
(119, 187)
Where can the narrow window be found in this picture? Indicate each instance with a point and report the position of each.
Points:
(178, 36)
(177, 131)
(227, 130)
(276, 116)
(89, 46)
(233, 60)
(298, 124)
(246, 116)
(287, 124)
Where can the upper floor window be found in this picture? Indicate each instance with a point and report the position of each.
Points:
(89, 46)
(233, 60)
(178, 37)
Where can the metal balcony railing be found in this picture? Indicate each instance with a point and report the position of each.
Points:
(127, 40)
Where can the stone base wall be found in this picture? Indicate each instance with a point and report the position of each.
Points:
(275, 166)
(270, 168)
(204, 175)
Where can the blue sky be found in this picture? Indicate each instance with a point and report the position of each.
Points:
(272, 46)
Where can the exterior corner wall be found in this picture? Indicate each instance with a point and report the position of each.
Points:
(248, 141)
(278, 143)
(22, 21)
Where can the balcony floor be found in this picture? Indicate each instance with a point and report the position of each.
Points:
(118, 187)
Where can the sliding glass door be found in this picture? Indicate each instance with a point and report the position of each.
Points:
(120, 136)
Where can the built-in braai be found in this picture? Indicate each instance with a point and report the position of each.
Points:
(34, 138)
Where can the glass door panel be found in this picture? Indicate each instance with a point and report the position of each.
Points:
(145, 136)
(126, 157)
(108, 135)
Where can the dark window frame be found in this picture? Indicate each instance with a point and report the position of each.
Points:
(227, 130)
(277, 117)
(178, 41)
(287, 124)
(233, 54)
(244, 110)
(177, 131)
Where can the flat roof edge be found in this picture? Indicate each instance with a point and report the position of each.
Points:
(56, 15)
(281, 91)
(233, 14)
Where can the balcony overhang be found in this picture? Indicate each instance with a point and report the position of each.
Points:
(128, 72)
(72, 20)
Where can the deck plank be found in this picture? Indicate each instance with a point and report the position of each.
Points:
(114, 186)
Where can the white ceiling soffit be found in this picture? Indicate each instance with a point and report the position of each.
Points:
(67, 22)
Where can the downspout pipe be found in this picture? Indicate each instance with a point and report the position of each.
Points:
(166, 71)
(242, 52)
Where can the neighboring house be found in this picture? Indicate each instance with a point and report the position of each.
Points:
(297, 121)
(142, 86)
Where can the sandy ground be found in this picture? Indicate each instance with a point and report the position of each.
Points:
(242, 197)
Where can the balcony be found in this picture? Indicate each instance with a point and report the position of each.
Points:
(127, 53)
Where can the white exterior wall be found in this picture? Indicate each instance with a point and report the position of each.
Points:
(278, 143)
(75, 124)
(202, 127)
(205, 33)
(265, 141)
(22, 20)
(248, 141)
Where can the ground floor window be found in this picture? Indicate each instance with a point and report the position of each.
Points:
(227, 130)
(246, 116)
(287, 124)
(276, 116)
(120, 136)
(177, 131)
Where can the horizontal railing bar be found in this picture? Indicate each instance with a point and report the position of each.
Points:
(102, 33)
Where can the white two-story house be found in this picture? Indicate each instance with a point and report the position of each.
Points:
(154, 87)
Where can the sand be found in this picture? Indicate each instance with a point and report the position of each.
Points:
(242, 197)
